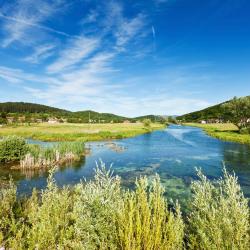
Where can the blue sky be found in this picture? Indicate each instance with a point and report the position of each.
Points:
(125, 57)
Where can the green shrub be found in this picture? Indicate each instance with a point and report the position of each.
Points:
(145, 221)
(220, 215)
(245, 131)
(12, 148)
(147, 123)
(96, 206)
(50, 219)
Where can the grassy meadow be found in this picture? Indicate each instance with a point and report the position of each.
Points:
(223, 131)
(78, 132)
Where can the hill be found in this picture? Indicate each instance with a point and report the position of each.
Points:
(153, 118)
(211, 113)
(25, 107)
(22, 111)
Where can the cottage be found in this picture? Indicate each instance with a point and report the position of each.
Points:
(203, 122)
(126, 121)
(53, 121)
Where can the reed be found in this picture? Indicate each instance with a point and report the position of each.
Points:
(43, 157)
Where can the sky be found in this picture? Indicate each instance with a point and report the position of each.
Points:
(130, 57)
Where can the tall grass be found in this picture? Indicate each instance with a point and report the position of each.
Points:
(40, 157)
(99, 214)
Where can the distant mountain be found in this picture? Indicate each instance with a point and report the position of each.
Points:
(39, 111)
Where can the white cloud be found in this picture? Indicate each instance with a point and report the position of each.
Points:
(13, 75)
(128, 29)
(23, 16)
(83, 75)
(75, 52)
(40, 53)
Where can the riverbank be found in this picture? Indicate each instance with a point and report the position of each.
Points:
(223, 131)
(78, 132)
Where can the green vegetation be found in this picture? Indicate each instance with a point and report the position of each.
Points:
(219, 120)
(15, 150)
(236, 111)
(101, 215)
(220, 215)
(209, 114)
(147, 124)
(44, 157)
(12, 148)
(78, 132)
(223, 131)
(20, 112)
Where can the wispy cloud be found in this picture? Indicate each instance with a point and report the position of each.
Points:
(75, 52)
(128, 29)
(40, 53)
(23, 16)
(81, 70)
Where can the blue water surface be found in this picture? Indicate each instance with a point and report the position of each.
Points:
(173, 153)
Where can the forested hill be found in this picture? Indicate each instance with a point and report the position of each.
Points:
(35, 112)
(213, 112)
(24, 107)
(223, 111)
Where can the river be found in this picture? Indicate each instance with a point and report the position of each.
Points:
(173, 153)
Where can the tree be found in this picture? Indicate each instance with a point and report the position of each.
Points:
(172, 119)
(237, 111)
(3, 118)
(147, 123)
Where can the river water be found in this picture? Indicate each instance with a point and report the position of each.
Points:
(173, 153)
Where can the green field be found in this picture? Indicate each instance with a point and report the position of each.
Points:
(223, 131)
(78, 132)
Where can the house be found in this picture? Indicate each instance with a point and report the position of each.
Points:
(21, 118)
(203, 122)
(53, 121)
(126, 121)
(10, 119)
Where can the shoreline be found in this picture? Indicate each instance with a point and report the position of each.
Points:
(223, 131)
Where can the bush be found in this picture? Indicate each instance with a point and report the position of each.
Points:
(95, 210)
(145, 221)
(245, 131)
(12, 148)
(220, 215)
(147, 123)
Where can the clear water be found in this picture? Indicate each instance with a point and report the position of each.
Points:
(173, 153)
